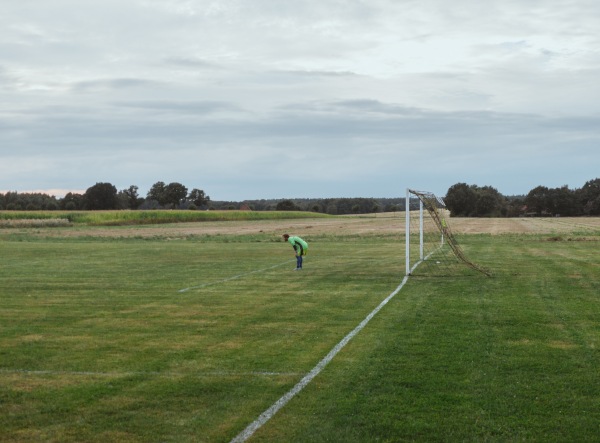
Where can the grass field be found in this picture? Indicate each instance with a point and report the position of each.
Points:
(137, 334)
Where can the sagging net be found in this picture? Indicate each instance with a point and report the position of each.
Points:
(434, 250)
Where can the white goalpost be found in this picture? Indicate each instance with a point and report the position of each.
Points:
(429, 240)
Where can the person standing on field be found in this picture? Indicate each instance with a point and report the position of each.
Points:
(300, 248)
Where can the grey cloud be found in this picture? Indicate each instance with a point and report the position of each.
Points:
(331, 149)
(334, 74)
(376, 106)
(363, 95)
(354, 106)
(112, 84)
(191, 62)
(185, 107)
(371, 121)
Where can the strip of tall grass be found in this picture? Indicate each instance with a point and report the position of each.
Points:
(35, 223)
(124, 218)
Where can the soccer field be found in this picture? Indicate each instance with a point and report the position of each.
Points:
(191, 337)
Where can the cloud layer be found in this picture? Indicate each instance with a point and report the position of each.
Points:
(273, 99)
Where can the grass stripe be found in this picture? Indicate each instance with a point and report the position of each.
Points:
(149, 373)
(235, 277)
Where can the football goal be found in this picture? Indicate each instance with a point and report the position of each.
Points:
(431, 248)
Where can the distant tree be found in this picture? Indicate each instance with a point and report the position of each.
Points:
(589, 197)
(489, 203)
(171, 195)
(72, 202)
(101, 196)
(538, 200)
(287, 205)
(30, 201)
(592, 207)
(157, 192)
(52, 206)
(149, 204)
(14, 206)
(130, 197)
(563, 201)
(44, 201)
(332, 207)
(175, 194)
(199, 198)
(460, 200)
(464, 200)
(13, 201)
(515, 206)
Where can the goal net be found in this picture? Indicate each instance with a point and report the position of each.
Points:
(431, 248)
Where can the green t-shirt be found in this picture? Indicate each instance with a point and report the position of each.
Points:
(299, 245)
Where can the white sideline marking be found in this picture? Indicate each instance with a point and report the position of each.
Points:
(269, 413)
(232, 278)
(425, 259)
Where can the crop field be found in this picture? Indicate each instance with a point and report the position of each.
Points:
(119, 331)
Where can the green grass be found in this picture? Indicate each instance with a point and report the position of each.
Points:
(511, 358)
(97, 344)
(124, 218)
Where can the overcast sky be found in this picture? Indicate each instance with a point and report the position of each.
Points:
(304, 98)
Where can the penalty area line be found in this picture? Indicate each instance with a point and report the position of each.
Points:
(271, 411)
(225, 280)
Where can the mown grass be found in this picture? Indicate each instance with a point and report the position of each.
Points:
(509, 358)
(98, 344)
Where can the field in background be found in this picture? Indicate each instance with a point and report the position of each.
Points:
(97, 343)
(26, 219)
(202, 223)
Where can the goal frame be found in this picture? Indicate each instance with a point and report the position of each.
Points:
(409, 269)
(442, 226)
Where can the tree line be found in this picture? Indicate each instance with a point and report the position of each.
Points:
(332, 206)
(465, 200)
(103, 196)
(461, 199)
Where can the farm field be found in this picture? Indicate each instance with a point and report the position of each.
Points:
(187, 332)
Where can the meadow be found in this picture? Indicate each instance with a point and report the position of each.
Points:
(187, 332)
(10, 219)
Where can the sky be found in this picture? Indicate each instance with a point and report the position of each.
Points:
(271, 99)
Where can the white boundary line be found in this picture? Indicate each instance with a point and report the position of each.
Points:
(426, 258)
(270, 412)
(232, 278)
